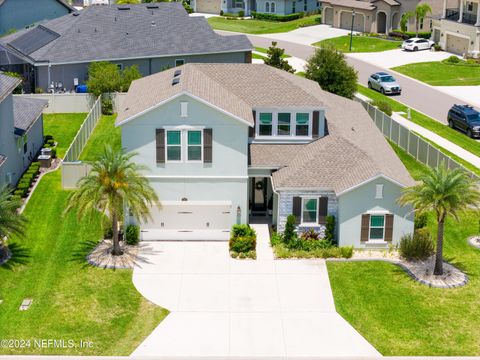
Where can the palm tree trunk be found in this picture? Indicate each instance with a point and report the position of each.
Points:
(417, 20)
(116, 251)
(439, 256)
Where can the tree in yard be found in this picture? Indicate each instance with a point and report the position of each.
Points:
(404, 20)
(329, 68)
(11, 222)
(421, 11)
(114, 184)
(445, 192)
(274, 58)
(121, 2)
(129, 74)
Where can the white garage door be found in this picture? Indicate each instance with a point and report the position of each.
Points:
(346, 21)
(457, 45)
(328, 16)
(208, 6)
(188, 217)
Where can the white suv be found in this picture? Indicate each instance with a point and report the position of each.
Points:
(415, 44)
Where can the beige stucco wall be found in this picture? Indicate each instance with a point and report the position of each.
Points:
(447, 27)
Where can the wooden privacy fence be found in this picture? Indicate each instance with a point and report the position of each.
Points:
(78, 143)
(412, 143)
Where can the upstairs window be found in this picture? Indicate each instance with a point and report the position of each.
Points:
(174, 145)
(265, 125)
(283, 124)
(301, 128)
(273, 7)
(194, 151)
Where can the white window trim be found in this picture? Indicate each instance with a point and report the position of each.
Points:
(302, 223)
(184, 129)
(293, 125)
(179, 60)
(376, 241)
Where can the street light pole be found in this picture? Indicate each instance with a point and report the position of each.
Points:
(351, 30)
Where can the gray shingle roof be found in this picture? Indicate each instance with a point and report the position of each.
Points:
(248, 86)
(353, 152)
(26, 111)
(7, 84)
(107, 33)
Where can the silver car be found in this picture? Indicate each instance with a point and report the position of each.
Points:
(385, 83)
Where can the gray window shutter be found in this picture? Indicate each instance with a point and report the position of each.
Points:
(365, 227)
(160, 140)
(207, 146)
(315, 124)
(251, 130)
(322, 210)
(388, 227)
(297, 209)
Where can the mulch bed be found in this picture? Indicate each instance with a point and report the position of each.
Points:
(101, 256)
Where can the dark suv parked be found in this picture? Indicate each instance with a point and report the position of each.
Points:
(465, 118)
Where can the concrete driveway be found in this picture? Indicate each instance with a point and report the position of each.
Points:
(224, 307)
(308, 35)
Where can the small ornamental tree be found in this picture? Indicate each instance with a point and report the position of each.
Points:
(289, 232)
(274, 58)
(329, 68)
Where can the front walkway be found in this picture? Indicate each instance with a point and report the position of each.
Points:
(224, 307)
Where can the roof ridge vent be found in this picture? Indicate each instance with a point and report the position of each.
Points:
(152, 6)
(124, 7)
(176, 80)
(177, 73)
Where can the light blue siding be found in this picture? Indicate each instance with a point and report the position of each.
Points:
(285, 7)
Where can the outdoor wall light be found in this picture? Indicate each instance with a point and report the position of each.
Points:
(184, 199)
(239, 211)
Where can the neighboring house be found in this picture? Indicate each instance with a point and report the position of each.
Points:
(278, 7)
(233, 143)
(18, 14)
(154, 36)
(21, 131)
(376, 16)
(457, 30)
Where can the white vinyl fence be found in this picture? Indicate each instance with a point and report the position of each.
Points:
(412, 143)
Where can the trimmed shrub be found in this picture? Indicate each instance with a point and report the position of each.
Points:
(452, 60)
(383, 106)
(309, 235)
(330, 228)
(289, 232)
(420, 221)
(418, 246)
(107, 232)
(243, 244)
(107, 106)
(276, 239)
(15, 198)
(27, 178)
(275, 17)
(221, 12)
(346, 251)
(409, 34)
(21, 192)
(54, 152)
(437, 47)
(132, 235)
(47, 138)
(307, 245)
(241, 13)
(242, 230)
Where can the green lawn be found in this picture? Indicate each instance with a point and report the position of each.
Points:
(105, 132)
(360, 44)
(428, 123)
(63, 127)
(253, 26)
(400, 316)
(70, 299)
(415, 168)
(264, 51)
(438, 73)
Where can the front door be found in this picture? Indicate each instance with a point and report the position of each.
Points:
(259, 195)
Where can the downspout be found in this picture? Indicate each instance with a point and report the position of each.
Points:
(278, 201)
(48, 76)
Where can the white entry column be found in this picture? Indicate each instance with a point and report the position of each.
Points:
(460, 18)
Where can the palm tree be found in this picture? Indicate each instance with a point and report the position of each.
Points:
(11, 222)
(420, 12)
(114, 184)
(445, 192)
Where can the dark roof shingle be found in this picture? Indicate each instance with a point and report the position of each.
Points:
(7, 84)
(26, 111)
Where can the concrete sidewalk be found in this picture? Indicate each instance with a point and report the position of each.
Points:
(242, 308)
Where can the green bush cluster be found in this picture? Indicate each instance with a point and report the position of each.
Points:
(418, 246)
(27, 180)
(243, 239)
(409, 34)
(420, 221)
(275, 17)
(383, 106)
(345, 252)
(132, 234)
(49, 143)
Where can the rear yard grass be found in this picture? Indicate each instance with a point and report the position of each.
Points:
(71, 300)
(63, 127)
(444, 131)
(359, 44)
(104, 133)
(437, 73)
(252, 26)
(414, 167)
(401, 317)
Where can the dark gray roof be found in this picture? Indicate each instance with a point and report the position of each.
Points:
(108, 33)
(33, 40)
(26, 111)
(7, 84)
(59, 1)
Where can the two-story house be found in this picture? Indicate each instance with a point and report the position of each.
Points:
(21, 131)
(233, 143)
(457, 30)
(276, 7)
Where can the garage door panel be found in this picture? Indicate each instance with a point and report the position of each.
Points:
(208, 6)
(329, 16)
(457, 44)
(346, 21)
(189, 215)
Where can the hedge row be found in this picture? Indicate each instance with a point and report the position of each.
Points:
(409, 34)
(275, 17)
